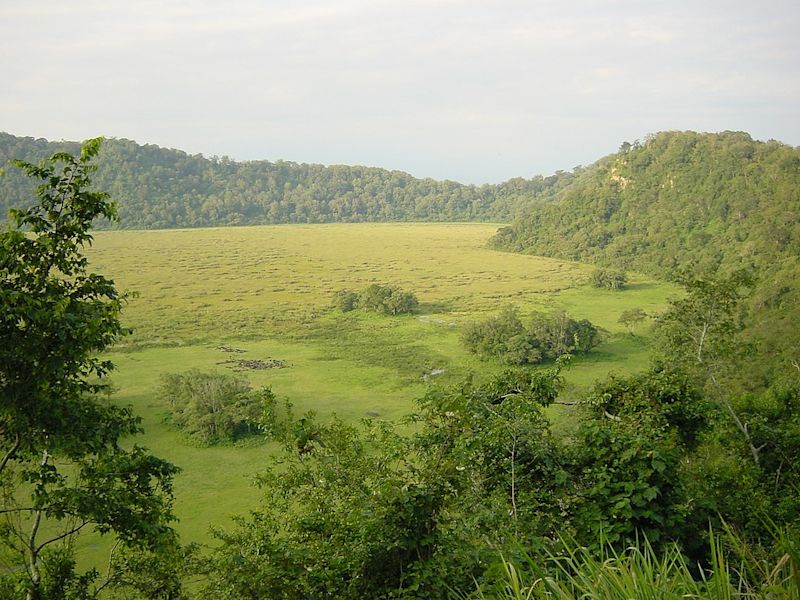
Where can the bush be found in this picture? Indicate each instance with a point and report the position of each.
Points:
(345, 300)
(609, 279)
(379, 298)
(548, 337)
(631, 318)
(215, 407)
(558, 334)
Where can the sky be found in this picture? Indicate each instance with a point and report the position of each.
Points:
(473, 91)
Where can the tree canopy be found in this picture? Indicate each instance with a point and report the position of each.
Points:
(63, 467)
(701, 202)
(157, 188)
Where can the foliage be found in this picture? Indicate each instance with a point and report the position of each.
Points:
(558, 334)
(742, 470)
(632, 317)
(609, 279)
(640, 571)
(346, 516)
(629, 453)
(548, 336)
(215, 407)
(504, 336)
(379, 298)
(713, 202)
(702, 333)
(352, 513)
(702, 330)
(161, 188)
(63, 466)
(345, 300)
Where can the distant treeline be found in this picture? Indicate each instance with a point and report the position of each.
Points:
(161, 188)
(678, 200)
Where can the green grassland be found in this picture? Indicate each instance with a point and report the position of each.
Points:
(268, 291)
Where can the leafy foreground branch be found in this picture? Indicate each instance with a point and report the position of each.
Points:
(64, 470)
(367, 512)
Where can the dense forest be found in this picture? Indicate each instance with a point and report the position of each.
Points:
(157, 188)
(685, 200)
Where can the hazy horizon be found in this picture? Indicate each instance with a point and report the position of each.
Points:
(449, 89)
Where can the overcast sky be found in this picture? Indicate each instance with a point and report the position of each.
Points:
(475, 91)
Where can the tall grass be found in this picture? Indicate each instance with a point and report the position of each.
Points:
(736, 571)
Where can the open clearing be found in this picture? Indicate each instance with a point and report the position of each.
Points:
(267, 291)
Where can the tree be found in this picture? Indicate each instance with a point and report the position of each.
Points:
(629, 447)
(549, 336)
(345, 300)
(63, 468)
(701, 332)
(631, 318)
(369, 512)
(503, 336)
(214, 407)
(606, 278)
(387, 299)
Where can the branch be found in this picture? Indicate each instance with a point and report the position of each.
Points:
(511, 394)
(742, 427)
(11, 510)
(32, 550)
(10, 454)
(67, 533)
(109, 578)
(702, 341)
(514, 480)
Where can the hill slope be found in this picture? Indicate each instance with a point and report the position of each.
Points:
(160, 188)
(714, 201)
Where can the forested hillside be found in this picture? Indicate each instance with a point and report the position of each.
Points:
(160, 188)
(682, 199)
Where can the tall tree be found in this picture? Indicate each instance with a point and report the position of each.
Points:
(63, 468)
(701, 331)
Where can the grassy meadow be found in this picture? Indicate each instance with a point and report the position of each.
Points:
(267, 291)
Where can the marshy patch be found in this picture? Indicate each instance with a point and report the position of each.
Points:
(244, 364)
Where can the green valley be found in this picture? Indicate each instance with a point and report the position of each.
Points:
(601, 394)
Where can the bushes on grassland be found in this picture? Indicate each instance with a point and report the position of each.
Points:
(379, 298)
(547, 336)
(215, 407)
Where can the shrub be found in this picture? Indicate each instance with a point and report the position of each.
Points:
(379, 298)
(548, 337)
(609, 279)
(214, 407)
(345, 300)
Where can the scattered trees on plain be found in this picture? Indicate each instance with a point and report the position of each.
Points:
(375, 511)
(371, 512)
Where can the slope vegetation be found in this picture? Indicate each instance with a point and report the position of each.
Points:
(158, 188)
(714, 202)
